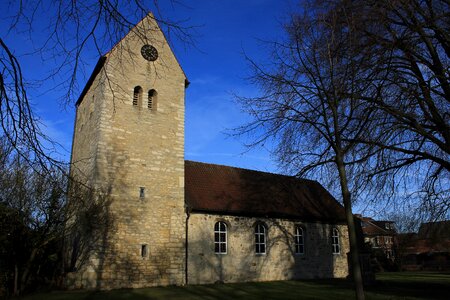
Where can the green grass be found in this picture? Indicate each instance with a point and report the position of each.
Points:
(389, 286)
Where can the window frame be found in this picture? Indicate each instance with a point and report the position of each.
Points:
(258, 233)
(219, 232)
(335, 243)
(299, 240)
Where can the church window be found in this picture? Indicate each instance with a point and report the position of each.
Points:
(152, 96)
(142, 192)
(144, 250)
(220, 238)
(299, 240)
(260, 239)
(335, 241)
(137, 96)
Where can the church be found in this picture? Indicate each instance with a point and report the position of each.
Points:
(180, 222)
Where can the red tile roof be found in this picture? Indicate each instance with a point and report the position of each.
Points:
(234, 191)
(440, 229)
(421, 246)
(371, 227)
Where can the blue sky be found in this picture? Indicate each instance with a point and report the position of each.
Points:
(216, 68)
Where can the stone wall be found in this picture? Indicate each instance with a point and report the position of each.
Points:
(280, 261)
(120, 148)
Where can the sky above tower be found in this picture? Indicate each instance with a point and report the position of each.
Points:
(218, 71)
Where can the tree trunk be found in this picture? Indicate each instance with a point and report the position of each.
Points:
(27, 268)
(16, 279)
(354, 251)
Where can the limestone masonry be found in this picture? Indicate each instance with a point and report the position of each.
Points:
(129, 141)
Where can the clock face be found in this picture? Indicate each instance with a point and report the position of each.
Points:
(149, 52)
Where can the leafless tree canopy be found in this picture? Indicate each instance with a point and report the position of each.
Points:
(388, 64)
(62, 34)
(407, 46)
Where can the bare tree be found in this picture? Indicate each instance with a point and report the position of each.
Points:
(310, 106)
(37, 222)
(408, 46)
(360, 88)
(64, 33)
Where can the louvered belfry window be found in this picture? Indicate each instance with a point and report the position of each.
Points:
(137, 96)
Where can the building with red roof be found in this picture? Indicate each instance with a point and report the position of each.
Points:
(183, 222)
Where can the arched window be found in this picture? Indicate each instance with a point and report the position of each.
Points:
(260, 239)
(220, 238)
(299, 240)
(152, 96)
(137, 96)
(335, 241)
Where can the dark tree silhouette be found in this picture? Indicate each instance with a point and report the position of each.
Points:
(38, 227)
(406, 45)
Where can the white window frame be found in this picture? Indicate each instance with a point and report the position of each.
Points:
(299, 240)
(220, 237)
(335, 246)
(260, 239)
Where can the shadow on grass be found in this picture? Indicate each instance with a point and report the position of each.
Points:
(418, 285)
(398, 286)
(389, 286)
(279, 290)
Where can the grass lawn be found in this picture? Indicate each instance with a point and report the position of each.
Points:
(389, 286)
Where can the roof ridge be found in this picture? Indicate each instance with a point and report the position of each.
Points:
(435, 222)
(245, 169)
(383, 229)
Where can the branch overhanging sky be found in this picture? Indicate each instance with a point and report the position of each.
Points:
(215, 66)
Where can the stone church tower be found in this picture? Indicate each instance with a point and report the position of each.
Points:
(129, 142)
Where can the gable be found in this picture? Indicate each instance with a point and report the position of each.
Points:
(125, 59)
(234, 191)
